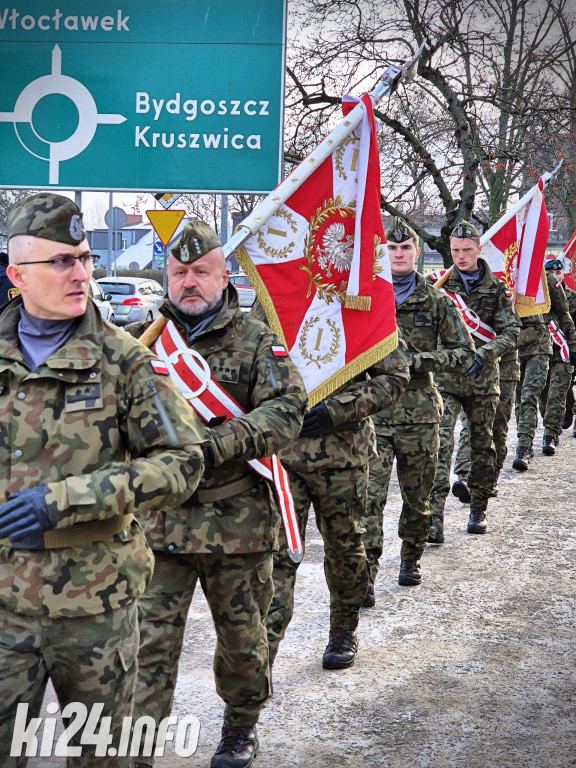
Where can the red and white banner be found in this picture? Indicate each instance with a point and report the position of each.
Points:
(515, 247)
(320, 266)
(569, 256)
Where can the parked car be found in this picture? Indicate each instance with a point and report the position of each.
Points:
(102, 301)
(246, 294)
(134, 299)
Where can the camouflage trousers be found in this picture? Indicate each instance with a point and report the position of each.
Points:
(499, 432)
(92, 659)
(339, 498)
(480, 411)
(553, 397)
(570, 402)
(238, 589)
(533, 373)
(415, 447)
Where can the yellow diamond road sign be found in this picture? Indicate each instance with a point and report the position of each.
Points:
(165, 223)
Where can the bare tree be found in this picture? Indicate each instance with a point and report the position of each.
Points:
(459, 140)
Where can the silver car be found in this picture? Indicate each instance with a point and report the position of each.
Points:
(102, 301)
(134, 299)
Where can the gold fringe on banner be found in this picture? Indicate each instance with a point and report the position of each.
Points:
(358, 302)
(355, 367)
(526, 305)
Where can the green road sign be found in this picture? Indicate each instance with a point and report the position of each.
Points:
(140, 95)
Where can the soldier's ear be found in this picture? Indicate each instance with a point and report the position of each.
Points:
(17, 275)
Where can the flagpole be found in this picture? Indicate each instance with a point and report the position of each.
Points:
(391, 77)
(546, 179)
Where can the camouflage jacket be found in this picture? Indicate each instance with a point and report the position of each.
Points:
(534, 337)
(489, 300)
(238, 349)
(351, 442)
(86, 424)
(560, 313)
(438, 342)
(571, 299)
(509, 367)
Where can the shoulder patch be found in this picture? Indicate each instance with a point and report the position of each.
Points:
(278, 350)
(159, 367)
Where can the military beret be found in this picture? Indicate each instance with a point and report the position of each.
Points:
(47, 215)
(464, 229)
(196, 240)
(553, 264)
(399, 231)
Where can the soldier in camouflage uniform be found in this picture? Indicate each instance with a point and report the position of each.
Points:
(77, 396)
(509, 376)
(534, 351)
(225, 534)
(553, 397)
(570, 402)
(477, 392)
(438, 341)
(328, 468)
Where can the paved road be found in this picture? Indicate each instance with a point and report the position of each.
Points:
(473, 669)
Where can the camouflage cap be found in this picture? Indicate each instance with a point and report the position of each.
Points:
(399, 231)
(47, 215)
(464, 229)
(553, 263)
(196, 240)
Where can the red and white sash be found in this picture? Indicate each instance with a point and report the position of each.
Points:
(560, 340)
(476, 326)
(191, 374)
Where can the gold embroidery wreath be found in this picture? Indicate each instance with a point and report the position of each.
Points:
(278, 253)
(334, 347)
(326, 291)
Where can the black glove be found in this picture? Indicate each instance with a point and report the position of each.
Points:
(316, 421)
(24, 518)
(476, 365)
(208, 458)
(573, 359)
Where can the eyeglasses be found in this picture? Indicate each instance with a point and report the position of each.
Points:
(67, 263)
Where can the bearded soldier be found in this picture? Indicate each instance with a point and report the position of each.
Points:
(85, 444)
(226, 532)
(438, 342)
(563, 334)
(495, 325)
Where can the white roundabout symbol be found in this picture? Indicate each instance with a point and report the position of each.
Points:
(88, 117)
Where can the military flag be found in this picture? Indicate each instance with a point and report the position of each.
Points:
(320, 266)
(515, 247)
(569, 256)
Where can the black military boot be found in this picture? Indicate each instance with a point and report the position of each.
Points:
(523, 456)
(410, 572)
(548, 448)
(436, 535)
(477, 521)
(461, 491)
(238, 748)
(341, 649)
(370, 599)
(567, 420)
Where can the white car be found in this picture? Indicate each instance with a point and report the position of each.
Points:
(246, 294)
(102, 301)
